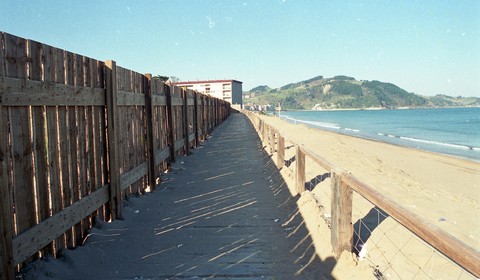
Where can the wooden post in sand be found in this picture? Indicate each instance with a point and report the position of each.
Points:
(113, 125)
(264, 131)
(341, 205)
(170, 129)
(300, 170)
(6, 217)
(184, 94)
(281, 151)
(272, 140)
(152, 176)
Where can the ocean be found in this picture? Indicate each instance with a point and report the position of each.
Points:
(451, 131)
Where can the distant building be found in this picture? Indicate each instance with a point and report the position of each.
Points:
(228, 90)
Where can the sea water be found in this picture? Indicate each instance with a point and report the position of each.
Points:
(451, 131)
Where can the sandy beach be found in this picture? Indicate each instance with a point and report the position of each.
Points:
(443, 190)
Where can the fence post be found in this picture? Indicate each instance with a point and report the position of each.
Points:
(170, 131)
(272, 140)
(264, 131)
(195, 117)
(281, 151)
(6, 218)
(185, 120)
(300, 170)
(113, 124)
(6, 232)
(152, 174)
(341, 205)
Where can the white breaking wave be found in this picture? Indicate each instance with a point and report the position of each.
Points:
(431, 142)
(456, 146)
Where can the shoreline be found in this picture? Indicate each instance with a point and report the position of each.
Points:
(398, 145)
(465, 151)
(375, 109)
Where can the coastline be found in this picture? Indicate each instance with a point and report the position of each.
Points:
(443, 190)
(448, 142)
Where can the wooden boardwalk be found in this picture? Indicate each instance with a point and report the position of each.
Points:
(224, 213)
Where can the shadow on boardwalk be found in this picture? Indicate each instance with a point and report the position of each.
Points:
(224, 213)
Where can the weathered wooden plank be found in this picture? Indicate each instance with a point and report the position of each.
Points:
(126, 98)
(150, 127)
(59, 78)
(38, 56)
(196, 117)
(176, 101)
(272, 140)
(133, 175)
(89, 140)
(15, 56)
(113, 122)
(6, 215)
(54, 167)
(179, 144)
(185, 124)
(22, 150)
(72, 193)
(281, 151)
(141, 84)
(341, 216)
(78, 72)
(299, 170)
(41, 234)
(170, 122)
(21, 92)
(132, 121)
(161, 155)
(159, 100)
(89, 66)
(100, 136)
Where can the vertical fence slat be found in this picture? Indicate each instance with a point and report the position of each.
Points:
(170, 129)
(112, 119)
(184, 95)
(89, 66)
(16, 66)
(149, 109)
(66, 135)
(37, 57)
(272, 140)
(300, 170)
(101, 137)
(281, 151)
(341, 207)
(195, 116)
(6, 217)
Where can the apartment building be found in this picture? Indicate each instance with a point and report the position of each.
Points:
(228, 90)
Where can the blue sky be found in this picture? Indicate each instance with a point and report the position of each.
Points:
(426, 47)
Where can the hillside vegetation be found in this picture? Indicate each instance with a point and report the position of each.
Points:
(347, 92)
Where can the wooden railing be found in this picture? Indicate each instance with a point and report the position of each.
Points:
(344, 183)
(77, 135)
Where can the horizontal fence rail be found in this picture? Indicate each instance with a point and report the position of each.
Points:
(343, 184)
(77, 136)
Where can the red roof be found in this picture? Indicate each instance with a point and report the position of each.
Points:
(205, 82)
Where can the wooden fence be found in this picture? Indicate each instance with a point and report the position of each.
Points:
(344, 183)
(76, 136)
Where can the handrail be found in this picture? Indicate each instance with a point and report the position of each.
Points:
(454, 249)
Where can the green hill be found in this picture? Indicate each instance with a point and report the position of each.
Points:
(347, 92)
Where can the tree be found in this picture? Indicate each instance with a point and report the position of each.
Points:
(161, 78)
